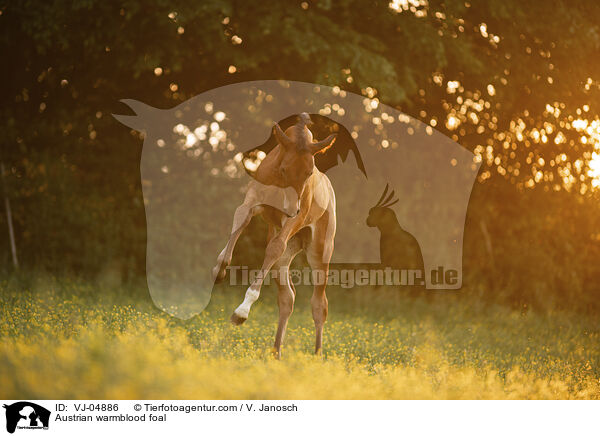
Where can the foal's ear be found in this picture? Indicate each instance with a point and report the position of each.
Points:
(322, 146)
(282, 138)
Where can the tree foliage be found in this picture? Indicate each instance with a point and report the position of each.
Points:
(506, 79)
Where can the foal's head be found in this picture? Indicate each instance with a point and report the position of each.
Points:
(299, 148)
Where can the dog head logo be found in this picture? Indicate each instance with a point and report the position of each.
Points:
(198, 158)
(26, 415)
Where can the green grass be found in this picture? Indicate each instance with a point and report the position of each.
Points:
(64, 339)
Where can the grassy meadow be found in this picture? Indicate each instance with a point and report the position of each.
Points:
(64, 339)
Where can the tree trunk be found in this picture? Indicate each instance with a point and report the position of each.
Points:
(11, 233)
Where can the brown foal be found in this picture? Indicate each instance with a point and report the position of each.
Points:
(298, 203)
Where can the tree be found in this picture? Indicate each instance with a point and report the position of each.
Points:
(506, 79)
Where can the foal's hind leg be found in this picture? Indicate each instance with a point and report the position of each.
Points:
(286, 292)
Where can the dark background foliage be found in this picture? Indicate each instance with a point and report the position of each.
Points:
(497, 76)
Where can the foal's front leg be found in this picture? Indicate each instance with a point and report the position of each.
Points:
(286, 292)
(275, 248)
(319, 254)
(242, 217)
